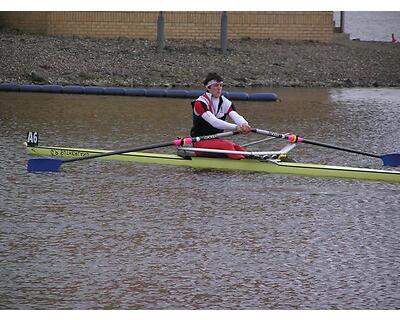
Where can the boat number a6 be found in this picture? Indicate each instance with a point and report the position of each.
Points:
(32, 138)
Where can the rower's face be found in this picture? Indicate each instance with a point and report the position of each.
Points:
(216, 89)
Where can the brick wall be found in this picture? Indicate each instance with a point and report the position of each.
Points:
(314, 25)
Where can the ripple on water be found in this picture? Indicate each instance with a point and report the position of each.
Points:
(103, 235)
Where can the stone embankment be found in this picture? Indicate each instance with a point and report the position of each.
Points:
(29, 58)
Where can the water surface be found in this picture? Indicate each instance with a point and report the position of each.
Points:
(119, 235)
(370, 25)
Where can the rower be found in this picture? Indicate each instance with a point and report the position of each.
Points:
(209, 114)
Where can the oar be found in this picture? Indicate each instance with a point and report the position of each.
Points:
(392, 159)
(53, 165)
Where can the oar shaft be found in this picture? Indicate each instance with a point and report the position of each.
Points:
(297, 139)
(176, 142)
(53, 165)
(321, 144)
(105, 154)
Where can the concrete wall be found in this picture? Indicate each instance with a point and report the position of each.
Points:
(314, 25)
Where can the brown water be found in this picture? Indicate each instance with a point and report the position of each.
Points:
(102, 235)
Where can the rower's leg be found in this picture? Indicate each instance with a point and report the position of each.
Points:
(221, 144)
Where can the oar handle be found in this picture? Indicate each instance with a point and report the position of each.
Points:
(211, 136)
(296, 139)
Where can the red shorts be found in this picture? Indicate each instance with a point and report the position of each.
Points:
(219, 144)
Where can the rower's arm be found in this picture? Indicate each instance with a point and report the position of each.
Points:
(237, 118)
(217, 123)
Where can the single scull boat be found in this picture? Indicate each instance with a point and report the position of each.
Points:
(258, 162)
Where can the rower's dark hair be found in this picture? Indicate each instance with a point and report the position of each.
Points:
(213, 76)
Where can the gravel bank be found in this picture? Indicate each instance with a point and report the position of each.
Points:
(29, 58)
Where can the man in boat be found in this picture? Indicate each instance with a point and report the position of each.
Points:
(209, 114)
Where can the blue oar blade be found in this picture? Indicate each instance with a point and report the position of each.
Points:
(44, 165)
(392, 160)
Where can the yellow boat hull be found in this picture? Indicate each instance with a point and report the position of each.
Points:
(254, 165)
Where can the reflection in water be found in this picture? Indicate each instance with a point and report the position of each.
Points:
(120, 235)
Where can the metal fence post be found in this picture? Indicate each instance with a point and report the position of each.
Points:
(160, 31)
(342, 21)
(224, 31)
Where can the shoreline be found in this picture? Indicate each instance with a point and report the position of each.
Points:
(43, 59)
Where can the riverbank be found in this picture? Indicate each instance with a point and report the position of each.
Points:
(30, 58)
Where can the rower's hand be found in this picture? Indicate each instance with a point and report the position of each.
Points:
(243, 128)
